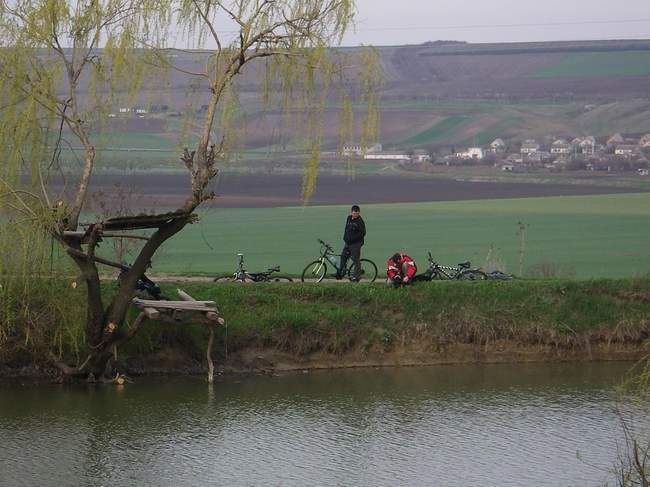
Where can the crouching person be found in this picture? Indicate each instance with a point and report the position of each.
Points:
(400, 270)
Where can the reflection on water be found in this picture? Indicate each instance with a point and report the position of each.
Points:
(459, 425)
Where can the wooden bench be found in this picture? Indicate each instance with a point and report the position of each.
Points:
(187, 310)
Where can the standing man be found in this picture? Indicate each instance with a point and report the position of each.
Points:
(355, 231)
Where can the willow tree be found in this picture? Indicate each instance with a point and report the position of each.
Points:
(63, 61)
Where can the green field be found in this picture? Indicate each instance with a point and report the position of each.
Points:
(442, 130)
(498, 130)
(139, 140)
(591, 236)
(592, 64)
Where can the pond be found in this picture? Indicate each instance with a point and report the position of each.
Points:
(536, 424)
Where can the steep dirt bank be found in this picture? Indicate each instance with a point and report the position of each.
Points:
(254, 360)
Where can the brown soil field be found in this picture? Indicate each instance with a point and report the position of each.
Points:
(261, 191)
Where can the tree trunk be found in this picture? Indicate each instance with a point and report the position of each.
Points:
(105, 327)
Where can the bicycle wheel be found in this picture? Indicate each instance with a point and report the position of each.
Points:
(368, 271)
(472, 275)
(281, 279)
(314, 270)
(421, 278)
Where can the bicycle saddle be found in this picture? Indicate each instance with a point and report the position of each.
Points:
(465, 265)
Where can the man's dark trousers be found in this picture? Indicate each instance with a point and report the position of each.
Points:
(351, 251)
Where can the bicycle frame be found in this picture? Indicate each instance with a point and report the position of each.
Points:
(329, 252)
(240, 274)
(447, 272)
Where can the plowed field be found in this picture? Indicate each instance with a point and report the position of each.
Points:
(262, 191)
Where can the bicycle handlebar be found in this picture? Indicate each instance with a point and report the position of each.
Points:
(327, 246)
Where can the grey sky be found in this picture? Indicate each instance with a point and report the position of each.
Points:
(390, 22)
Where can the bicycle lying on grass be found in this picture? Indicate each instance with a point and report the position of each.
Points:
(317, 269)
(463, 272)
(242, 275)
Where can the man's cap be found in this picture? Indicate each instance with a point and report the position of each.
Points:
(355, 208)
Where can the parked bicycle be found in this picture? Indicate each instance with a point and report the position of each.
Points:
(463, 272)
(317, 269)
(242, 275)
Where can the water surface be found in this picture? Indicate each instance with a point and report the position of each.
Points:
(473, 425)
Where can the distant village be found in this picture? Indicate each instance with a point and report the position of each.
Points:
(555, 154)
(615, 153)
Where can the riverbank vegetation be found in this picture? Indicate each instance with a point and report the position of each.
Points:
(280, 327)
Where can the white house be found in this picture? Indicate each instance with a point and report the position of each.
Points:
(471, 153)
(498, 146)
(529, 146)
(588, 146)
(560, 146)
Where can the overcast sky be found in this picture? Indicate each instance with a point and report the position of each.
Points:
(391, 22)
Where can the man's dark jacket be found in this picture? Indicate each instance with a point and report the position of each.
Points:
(355, 230)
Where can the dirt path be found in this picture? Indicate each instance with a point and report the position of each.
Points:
(180, 279)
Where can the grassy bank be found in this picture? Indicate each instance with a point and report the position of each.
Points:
(303, 318)
(271, 326)
(289, 326)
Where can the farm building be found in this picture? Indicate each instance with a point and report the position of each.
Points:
(388, 156)
(351, 150)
